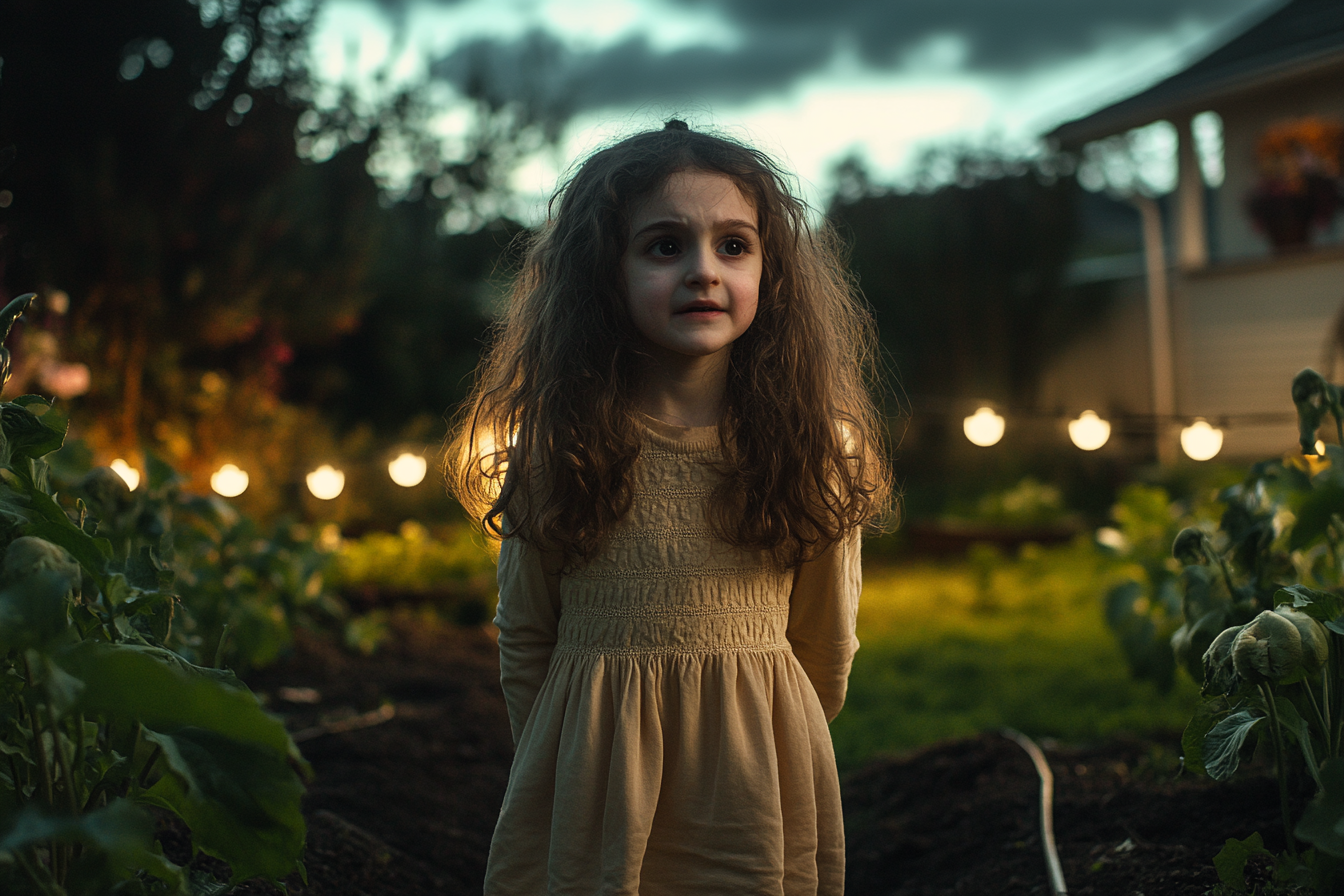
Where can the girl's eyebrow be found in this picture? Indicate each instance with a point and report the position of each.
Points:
(671, 223)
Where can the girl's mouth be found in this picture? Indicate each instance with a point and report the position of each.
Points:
(700, 308)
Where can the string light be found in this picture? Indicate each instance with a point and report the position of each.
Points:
(229, 481)
(1200, 441)
(1089, 432)
(984, 427)
(326, 482)
(129, 474)
(408, 469)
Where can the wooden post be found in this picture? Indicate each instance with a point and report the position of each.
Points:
(1192, 245)
(1159, 328)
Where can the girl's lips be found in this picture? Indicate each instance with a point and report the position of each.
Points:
(701, 308)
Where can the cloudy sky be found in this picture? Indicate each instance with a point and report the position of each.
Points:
(808, 80)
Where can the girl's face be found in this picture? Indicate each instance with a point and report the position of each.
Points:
(692, 266)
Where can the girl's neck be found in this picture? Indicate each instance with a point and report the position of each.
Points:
(684, 391)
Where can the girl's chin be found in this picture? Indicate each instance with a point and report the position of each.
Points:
(681, 352)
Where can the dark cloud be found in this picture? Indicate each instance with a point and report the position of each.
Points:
(784, 40)
(632, 72)
(1000, 34)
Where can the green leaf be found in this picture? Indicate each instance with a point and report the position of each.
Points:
(1120, 602)
(124, 682)
(122, 832)
(1301, 731)
(1322, 821)
(145, 570)
(34, 611)
(1222, 745)
(1231, 860)
(241, 802)
(1322, 605)
(27, 434)
(1207, 714)
(160, 475)
(1313, 517)
(50, 523)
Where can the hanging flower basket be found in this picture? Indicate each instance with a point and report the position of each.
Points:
(1299, 188)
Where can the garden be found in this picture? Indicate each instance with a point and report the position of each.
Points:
(246, 639)
(197, 704)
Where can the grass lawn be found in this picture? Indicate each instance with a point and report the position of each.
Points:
(951, 649)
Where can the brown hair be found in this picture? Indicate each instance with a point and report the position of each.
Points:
(553, 403)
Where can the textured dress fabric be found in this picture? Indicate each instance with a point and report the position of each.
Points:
(669, 703)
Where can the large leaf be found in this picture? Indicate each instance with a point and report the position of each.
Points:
(241, 802)
(1322, 822)
(1314, 515)
(49, 522)
(1231, 861)
(159, 475)
(34, 610)
(1300, 730)
(1222, 745)
(1322, 605)
(122, 834)
(126, 683)
(27, 434)
(1207, 714)
(1120, 602)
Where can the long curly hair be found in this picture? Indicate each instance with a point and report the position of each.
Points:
(543, 447)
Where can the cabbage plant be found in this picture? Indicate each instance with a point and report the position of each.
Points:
(1263, 609)
(101, 724)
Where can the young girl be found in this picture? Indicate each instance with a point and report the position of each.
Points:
(673, 438)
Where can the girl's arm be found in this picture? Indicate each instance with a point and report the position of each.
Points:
(529, 611)
(822, 612)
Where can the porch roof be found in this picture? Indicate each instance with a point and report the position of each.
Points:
(1299, 37)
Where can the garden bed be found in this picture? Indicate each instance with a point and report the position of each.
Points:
(406, 803)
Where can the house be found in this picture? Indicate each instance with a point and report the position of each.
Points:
(1244, 279)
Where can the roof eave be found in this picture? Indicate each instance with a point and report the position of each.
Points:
(1144, 108)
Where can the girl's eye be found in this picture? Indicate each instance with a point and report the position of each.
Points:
(664, 248)
(734, 246)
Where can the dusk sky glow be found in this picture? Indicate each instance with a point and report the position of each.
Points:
(808, 82)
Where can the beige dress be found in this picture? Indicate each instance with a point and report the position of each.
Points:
(669, 703)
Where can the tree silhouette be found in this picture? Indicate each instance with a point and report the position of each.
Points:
(153, 178)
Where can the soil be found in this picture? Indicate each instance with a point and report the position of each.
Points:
(404, 800)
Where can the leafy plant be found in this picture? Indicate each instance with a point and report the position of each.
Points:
(1145, 606)
(244, 587)
(1264, 630)
(454, 569)
(99, 721)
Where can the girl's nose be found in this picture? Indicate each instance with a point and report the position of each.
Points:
(703, 269)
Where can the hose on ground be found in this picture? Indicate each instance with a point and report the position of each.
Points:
(1057, 887)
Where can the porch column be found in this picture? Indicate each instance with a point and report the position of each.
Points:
(1192, 249)
(1159, 328)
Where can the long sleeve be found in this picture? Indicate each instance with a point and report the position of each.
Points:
(822, 612)
(529, 611)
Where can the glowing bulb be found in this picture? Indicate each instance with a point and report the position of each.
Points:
(1112, 538)
(326, 482)
(1089, 432)
(129, 474)
(983, 428)
(1201, 441)
(408, 469)
(1320, 448)
(229, 481)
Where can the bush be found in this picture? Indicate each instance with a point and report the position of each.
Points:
(100, 721)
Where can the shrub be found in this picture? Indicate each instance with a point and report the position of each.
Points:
(99, 721)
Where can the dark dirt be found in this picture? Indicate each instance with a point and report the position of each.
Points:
(406, 805)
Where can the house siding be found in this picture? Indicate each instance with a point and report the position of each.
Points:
(1240, 334)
